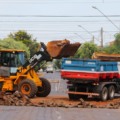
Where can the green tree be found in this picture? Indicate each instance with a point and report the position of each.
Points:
(115, 47)
(21, 35)
(57, 64)
(86, 50)
(117, 40)
(27, 39)
(111, 49)
(9, 43)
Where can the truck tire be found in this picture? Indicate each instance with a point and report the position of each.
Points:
(104, 94)
(27, 87)
(111, 92)
(45, 89)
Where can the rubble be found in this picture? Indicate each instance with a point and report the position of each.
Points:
(15, 99)
(18, 99)
(66, 103)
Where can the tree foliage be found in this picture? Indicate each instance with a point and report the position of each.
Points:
(111, 49)
(57, 64)
(9, 43)
(115, 47)
(27, 39)
(21, 36)
(117, 40)
(86, 50)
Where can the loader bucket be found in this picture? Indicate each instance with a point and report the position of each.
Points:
(62, 48)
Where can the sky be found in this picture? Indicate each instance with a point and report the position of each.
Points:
(48, 20)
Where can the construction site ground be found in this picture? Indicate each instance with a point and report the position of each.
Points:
(63, 101)
(57, 105)
(59, 97)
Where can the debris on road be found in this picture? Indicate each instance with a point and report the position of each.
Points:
(15, 99)
(18, 99)
(57, 101)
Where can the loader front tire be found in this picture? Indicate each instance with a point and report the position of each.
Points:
(28, 87)
(45, 89)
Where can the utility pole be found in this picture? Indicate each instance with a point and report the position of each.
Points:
(101, 33)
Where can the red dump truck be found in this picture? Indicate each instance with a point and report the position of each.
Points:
(95, 78)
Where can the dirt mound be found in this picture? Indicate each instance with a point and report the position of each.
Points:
(106, 57)
(18, 99)
(15, 99)
(60, 101)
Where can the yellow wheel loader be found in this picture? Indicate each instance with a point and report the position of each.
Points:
(16, 74)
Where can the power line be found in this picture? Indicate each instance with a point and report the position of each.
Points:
(52, 1)
(56, 2)
(80, 36)
(97, 31)
(43, 30)
(56, 21)
(72, 16)
(88, 32)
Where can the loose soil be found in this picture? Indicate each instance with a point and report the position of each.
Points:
(62, 101)
(18, 99)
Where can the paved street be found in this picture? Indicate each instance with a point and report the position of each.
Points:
(37, 113)
(59, 85)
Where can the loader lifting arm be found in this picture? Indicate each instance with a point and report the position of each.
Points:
(37, 58)
(54, 49)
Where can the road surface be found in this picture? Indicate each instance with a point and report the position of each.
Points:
(38, 113)
(59, 86)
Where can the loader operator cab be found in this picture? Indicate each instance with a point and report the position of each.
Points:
(10, 60)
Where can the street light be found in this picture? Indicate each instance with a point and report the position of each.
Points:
(87, 32)
(106, 17)
(79, 36)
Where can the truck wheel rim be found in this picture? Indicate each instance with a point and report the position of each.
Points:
(105, 94)
(112, 92)
(25, 89)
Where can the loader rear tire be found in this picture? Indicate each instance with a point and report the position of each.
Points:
(45, 89)
(28, 87)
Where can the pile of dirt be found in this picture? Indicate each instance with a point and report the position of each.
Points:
(18, 99)
(15, 99)
(81, 103)
(106, 57)
(55, 103)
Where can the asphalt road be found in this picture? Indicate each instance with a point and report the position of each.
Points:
(59, 86)
(46, 113)
(38, 113)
